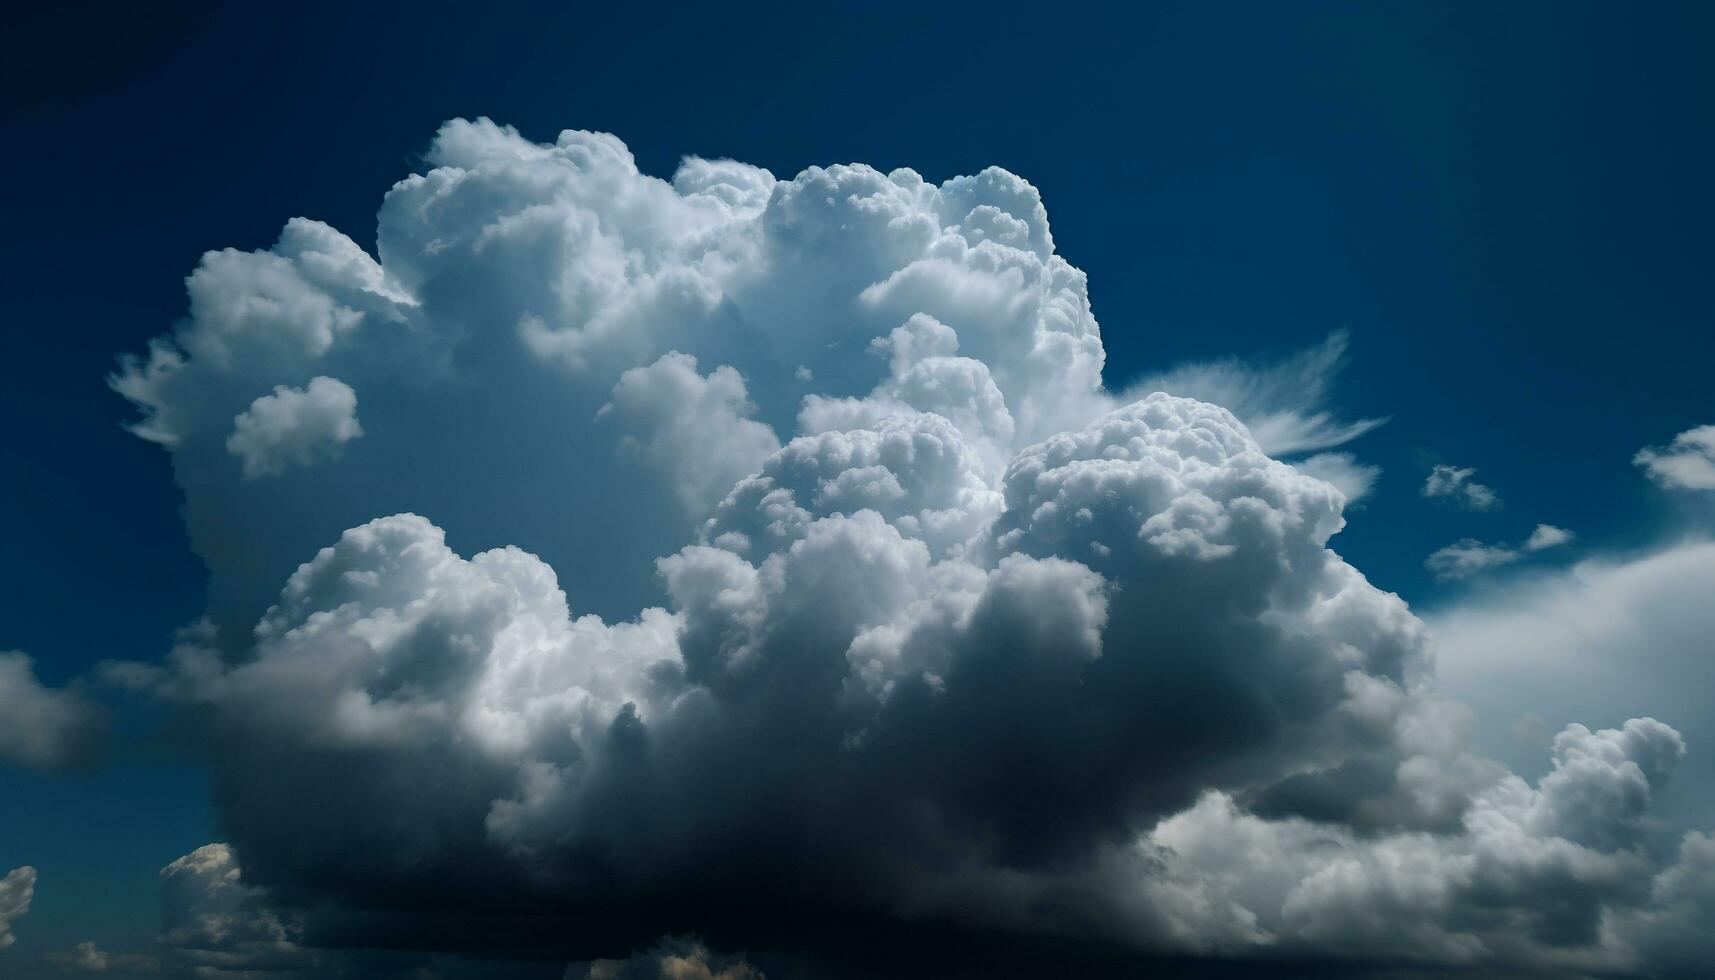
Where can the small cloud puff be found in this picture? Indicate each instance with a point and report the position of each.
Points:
(1687, 463)
(294, 427)
(1547, 536)
(1455, 483)
(1469, 556)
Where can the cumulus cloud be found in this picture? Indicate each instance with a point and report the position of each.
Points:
(1455, 484)
(294, 427)
(1468, 556)
(696, 430)
(1687, 463)
(1534, 874)
(826, 658)
(514, 286)
(214, 925)
(43, 727)
(17, 890)
(766, 561)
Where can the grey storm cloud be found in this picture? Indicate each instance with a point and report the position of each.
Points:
(764, 560)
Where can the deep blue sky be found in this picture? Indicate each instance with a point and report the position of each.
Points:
(1509, 207)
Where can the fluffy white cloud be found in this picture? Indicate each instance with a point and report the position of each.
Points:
(1467, 557)
(43, 727)
(696, 430)
(1455, 483)
(514, 286)
(1547, 536)
(912, 469)
(1687, 463)
(17, 889)
(294, 427)
(887, 614)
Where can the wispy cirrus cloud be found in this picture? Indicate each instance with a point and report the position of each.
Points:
(1469, 556)
(1285, 403)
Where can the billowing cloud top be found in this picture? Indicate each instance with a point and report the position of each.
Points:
(783, 563)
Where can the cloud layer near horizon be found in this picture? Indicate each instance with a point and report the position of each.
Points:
(783, 567)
